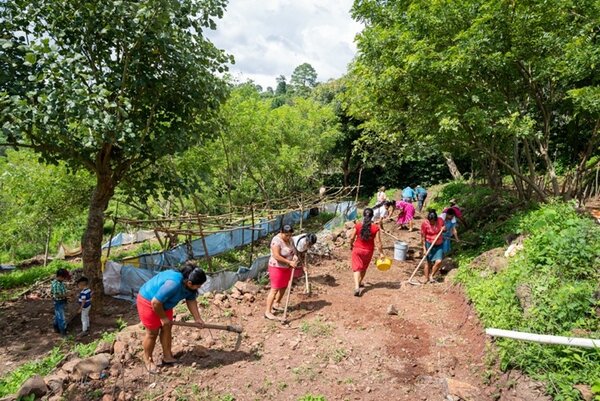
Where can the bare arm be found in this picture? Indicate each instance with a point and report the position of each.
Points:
(276, 252)
(378, 243)
(157, 307)
(352, 238)
(192, 306)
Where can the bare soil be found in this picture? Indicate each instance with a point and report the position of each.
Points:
(336, 345)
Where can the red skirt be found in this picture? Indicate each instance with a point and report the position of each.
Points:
(361, 258)
(148, 317)
(279, 277)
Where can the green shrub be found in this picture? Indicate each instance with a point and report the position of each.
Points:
(23, 277)
(560, 265)
(10, 383)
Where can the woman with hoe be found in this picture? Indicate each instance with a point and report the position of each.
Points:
(281, 263)
(155, 303)
(432, 241)
(362, 244)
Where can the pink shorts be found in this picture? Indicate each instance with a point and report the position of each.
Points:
(148, 317)
(280, 277)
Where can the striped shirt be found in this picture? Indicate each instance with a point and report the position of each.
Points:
(58, 290)
(85, 298)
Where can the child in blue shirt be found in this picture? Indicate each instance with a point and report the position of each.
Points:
(85, 304)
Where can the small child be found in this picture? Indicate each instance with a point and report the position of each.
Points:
(85, 304)
(59, 295)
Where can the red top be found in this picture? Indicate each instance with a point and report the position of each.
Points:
(368, 244)
(430, 232)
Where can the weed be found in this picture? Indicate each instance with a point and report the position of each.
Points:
(304, 373)
(316, 328)
(227, 313)
(310, 397)
(24, 277)
(281, 386)
(11, 382)
(121, 324)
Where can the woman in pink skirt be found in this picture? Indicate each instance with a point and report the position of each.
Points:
(406, 214)
(281, 263)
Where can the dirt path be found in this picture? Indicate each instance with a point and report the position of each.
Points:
(336, 345)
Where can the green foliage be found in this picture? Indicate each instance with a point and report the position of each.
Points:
(310, 397)
(24, 277)
(36, 200)
(560, 265)
(316, 328)
(472, 78)
(10, 383)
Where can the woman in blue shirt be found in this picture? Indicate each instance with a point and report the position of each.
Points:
(155, 303)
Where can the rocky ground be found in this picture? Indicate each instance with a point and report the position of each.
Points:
(398, 342)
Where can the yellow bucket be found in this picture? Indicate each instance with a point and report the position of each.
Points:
(383, 264)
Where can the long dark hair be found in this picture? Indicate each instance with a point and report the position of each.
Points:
(194, 274)
(365, 232)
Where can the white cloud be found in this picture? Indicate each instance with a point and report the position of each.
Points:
(269, 38)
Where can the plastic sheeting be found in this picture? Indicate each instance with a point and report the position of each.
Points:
(125, 280)
(130, 238)
(215, 243)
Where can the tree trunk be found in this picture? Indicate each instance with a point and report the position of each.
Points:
(92, 237)
(452, 166)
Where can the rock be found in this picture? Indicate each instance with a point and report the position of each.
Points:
(451, 275)
(35, 385)
(108, 397)
(523, 293)
(585, 391)
(219, 298)
(462, 390)
(104, 347)
(91, 366)
(199, 351)
(248, 297)
(121, 396)
(56, 381)
(120, 348)
(349, 225)
(448, 264)
(246, 287)
(391, 310)
(68, 366)
(493, 260)
(115, 369)
(208, 295)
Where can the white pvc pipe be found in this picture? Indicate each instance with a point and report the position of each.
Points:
(544, 339)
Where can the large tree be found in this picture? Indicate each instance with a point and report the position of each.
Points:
(107, 86)
(304, 79)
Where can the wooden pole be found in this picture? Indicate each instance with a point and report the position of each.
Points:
(358, 185)
(252, 241)
(206, 255)
(301, 212)
(47, 245)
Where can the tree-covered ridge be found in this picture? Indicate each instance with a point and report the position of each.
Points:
(512, 86)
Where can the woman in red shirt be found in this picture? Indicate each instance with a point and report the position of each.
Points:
(430, 229)
(362, 244)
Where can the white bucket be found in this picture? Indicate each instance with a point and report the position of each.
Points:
(400, 249)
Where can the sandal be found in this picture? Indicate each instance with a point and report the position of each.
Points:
(357, 293)
(166, 363)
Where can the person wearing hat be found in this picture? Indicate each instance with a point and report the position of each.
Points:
(457, 211)
(281, 263)
(58, 290)
(421, 196)
(302, 243)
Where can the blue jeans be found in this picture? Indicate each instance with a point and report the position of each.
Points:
(420, 202)
(59, 316)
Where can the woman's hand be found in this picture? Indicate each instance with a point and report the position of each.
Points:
(293, 263)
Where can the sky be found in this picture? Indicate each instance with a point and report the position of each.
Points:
(269, 38)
